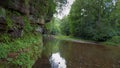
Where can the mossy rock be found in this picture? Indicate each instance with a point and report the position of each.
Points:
(2, 12)
(17, 5)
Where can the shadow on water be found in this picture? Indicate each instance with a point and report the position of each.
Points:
(67, 54)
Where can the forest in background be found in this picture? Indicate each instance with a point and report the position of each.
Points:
(97, 20)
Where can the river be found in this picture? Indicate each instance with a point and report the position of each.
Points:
(68, 54)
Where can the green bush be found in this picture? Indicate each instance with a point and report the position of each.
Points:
(53, 27)
(115, 40)
(65, 26)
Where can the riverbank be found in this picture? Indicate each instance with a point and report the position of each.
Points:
(115, 41)
(68, 38)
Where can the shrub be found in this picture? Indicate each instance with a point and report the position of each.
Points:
(115, 40)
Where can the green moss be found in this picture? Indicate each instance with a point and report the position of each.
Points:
(27, 27)
(44, 8)
(26, 2)
(4, 38)
(30, 41)
(9, 22)
(3, 51)
(10, 14)
(2, 12)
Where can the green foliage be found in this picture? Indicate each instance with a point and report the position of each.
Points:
(65, 26)
(51, 8)
(3, 51)
(115, 40)
(28, 41)
(9, 22)
(28, 27)
(24, 60)
(9, 15)
(53, 27)
(5, 38)
(94, 19)
(44, 8)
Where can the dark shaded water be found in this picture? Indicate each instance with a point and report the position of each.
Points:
(66, 54)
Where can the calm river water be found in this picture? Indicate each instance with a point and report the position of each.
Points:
(67, 54)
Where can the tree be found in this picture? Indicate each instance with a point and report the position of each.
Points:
(53, 27)
(115, 15)
(91, 19)
(65, 26)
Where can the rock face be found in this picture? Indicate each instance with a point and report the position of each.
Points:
(21, 6)
(12, 13)
(13, 25)
(3, 26)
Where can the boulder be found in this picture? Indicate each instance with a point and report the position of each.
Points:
(15, 33)
(16, 30)
(39, 30)
(38, 21)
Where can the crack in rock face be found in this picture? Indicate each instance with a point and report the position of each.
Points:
(57, 61)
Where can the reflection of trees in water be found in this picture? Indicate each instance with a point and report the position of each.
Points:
(66, 51)
(51, 46)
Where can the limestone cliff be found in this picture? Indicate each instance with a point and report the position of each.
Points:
(15, 13)
(21, 28)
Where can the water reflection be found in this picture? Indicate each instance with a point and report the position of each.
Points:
(67, 54)
(57, 61)
(51, 46)
(51, 57)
